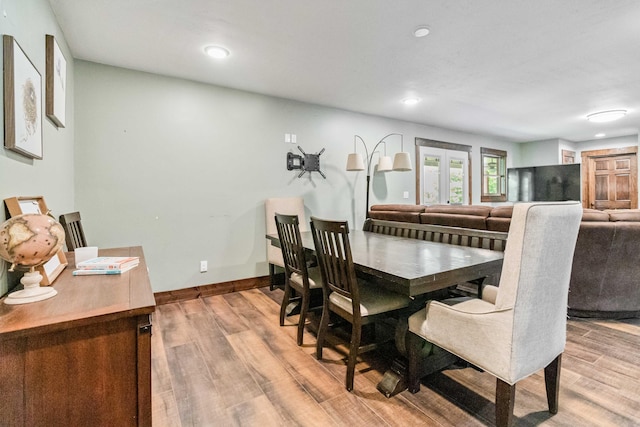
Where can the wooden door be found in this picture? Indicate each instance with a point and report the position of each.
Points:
(611, 179)
(568, 157)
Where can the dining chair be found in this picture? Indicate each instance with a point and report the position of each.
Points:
(519, 327)
(298, 276)
(283, 205)
(359, 303)
(74, 233)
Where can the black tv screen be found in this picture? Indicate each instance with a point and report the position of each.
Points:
(544, 183)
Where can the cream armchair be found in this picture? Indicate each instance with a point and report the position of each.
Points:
(286, 206)
(519, 327)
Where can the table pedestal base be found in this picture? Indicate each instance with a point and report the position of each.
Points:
(394, 380)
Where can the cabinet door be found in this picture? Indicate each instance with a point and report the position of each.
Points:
(83, 376)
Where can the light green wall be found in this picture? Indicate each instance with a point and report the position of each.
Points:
(183, 169)
(28, 21)
(539, 153)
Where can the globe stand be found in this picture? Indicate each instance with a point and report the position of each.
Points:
(32, 291)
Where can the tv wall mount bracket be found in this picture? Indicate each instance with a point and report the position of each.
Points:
(306, 162)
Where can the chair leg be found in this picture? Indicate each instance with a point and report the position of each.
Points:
(285, 301)
(356, 334)
(304, 307)
(322, 329)
(552, 383)
(505, 397)
(272, 278)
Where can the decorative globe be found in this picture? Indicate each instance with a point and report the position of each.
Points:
(30, 240)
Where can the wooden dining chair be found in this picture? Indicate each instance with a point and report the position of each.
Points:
(519, 327)
(74, 234)
(358, 302)
(298, 276)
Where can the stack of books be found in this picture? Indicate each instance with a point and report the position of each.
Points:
(106, 265)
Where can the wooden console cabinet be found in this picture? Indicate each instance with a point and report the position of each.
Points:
(82, 357)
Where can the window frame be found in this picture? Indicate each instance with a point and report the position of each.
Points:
(501, 155)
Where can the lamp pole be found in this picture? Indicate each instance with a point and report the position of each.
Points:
(369, 159)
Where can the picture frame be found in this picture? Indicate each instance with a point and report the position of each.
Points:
(36, 204)
(22, 101)
(56, 82)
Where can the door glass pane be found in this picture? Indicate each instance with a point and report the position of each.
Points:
(431, 175)
(456, 181)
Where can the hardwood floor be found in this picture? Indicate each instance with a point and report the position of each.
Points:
(224, 361)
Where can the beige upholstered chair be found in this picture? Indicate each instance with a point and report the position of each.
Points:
(520, 327)
(298, 276)
(359, 303)
(287, 206)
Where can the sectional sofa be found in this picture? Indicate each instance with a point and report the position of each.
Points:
(605, 278)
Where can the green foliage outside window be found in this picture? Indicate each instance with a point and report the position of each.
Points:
(493, 175)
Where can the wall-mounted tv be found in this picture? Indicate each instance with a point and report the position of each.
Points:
(544, 183)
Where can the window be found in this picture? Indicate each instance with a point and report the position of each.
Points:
(494, 171)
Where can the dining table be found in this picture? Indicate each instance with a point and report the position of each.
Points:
(412, 267)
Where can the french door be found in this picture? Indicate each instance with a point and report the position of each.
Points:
(443, 176)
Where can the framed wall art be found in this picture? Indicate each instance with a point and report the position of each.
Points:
(22, 102)
(36, 204)
(56, 82)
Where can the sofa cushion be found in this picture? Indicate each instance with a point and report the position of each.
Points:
(495, 223)
(413, 217)
(476, 210)
(629, 215)
(467, 216)
(502, 211)
(591, 215)
(399, 208)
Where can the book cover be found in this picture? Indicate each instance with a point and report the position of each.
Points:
(108, 263)
(91, 272)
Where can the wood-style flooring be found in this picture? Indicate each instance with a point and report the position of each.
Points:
(224, 361)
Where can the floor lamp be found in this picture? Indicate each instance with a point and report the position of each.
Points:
(355, 162)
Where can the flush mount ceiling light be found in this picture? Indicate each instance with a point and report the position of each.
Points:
(421, 31)
(600, 135)
(606, 116)
(410, 101)
(217, 52)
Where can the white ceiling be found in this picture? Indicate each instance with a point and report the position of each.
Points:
(523, 70)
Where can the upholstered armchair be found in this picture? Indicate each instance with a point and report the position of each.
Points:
(519, 327)
(287, 206)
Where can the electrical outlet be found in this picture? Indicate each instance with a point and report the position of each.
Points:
(203, 266)
(287, 137)
(405, 195)
(294, 138)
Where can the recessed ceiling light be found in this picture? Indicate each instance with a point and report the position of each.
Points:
(217, 52)
(421, 31)
(410, 101)
(606, 116)
(600, 135)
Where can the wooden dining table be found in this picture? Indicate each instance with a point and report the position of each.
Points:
(415, 268)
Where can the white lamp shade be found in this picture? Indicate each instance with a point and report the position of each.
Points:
(402, 162)
(355, 162)
(385, 164)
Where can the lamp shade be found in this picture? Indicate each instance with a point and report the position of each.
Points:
(385, 164)
(402, 162)
(355, 162)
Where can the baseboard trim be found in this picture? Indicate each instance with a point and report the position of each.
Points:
(210, 290)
